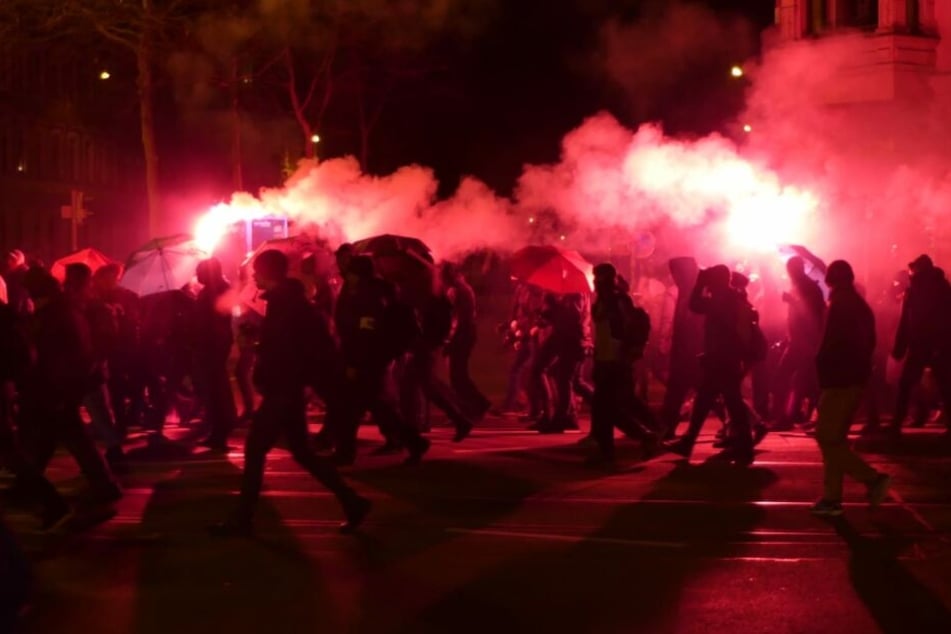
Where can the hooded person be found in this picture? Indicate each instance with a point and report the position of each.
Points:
(844, 367)
(213, 338)
(923, 339)
(724, 363)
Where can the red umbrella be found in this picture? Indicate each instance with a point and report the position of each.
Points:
(552, 268)
(92, 258)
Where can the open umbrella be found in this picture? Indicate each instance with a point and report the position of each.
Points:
(164, 264)
(310, 260)
(406, 262)
(93, 258)
(552, 268)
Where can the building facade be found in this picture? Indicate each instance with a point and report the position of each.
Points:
(60, 132)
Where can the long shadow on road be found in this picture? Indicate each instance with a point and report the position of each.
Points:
(897, 601)
(626, 575)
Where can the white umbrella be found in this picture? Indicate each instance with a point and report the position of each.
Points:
(164, 264)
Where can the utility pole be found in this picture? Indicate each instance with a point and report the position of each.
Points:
(76, 214)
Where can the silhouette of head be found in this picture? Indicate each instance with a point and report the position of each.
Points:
(270, 268)
(361, 267)
(921, 264)
(840, 275)
(208, 271)
(343, 255)
(605, 277)
(718, 277)
(78, 279)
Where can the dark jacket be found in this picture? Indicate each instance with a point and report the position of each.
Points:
(845, 356)
(361, 315)
(924, 323)
(292, 342)
(723, 347)
(686, 339)
(806, 313)
(212, 327)
(62, 351)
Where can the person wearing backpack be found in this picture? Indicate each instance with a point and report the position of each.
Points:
(618, 343)
(729, 341)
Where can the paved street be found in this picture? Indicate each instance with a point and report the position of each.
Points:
(508, 532)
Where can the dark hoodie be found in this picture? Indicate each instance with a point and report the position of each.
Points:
(924, 323)
(845, 356)
(293, 341)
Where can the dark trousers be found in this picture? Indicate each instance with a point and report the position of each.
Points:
(47, 422)
(911, 375)
(725, 382)
(29, 478)
(419, 377)
(365, 392)
(217, 398)
(685, 376)
(284, 414)
(14, 580)
(615, 404)
(242, 373)
(796, 380)
(460, 351)
(523, 354)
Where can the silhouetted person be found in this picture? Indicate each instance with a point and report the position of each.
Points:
(435, 320)
(125, 355)
(616, 348)
(103, 330)
(14, 363)
(923, 339)
(283, 369)
(462, 341)
(686, 345)
(212, 348)
(53, 388)
(518, 333)
(844, 366)
(881, 394)
(724, 362)
(560, 356)
(796, 374)
(374, 329)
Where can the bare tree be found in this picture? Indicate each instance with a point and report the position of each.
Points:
(142, 27)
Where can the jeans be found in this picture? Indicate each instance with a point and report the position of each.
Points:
(837, 408)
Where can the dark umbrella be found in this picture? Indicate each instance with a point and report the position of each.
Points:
(406, 262)
(552, 268)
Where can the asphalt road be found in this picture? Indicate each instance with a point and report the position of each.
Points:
(508, 532)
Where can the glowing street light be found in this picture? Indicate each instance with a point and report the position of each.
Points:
(104, 75)
(531, 221)
(315, 138)
(736, 72)
(747, 128)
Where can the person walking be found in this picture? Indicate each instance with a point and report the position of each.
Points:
(844, 365)
(282, 371)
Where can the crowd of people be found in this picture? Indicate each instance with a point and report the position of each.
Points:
(85, 344)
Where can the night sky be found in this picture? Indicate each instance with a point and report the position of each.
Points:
(507, 96)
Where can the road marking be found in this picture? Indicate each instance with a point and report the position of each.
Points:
(568, 538)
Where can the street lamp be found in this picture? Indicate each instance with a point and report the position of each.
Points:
(736, 72)
(104, 75)
(315, 138)
(747, 128)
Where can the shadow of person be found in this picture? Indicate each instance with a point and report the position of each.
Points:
(625, 573)
(897, 600)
